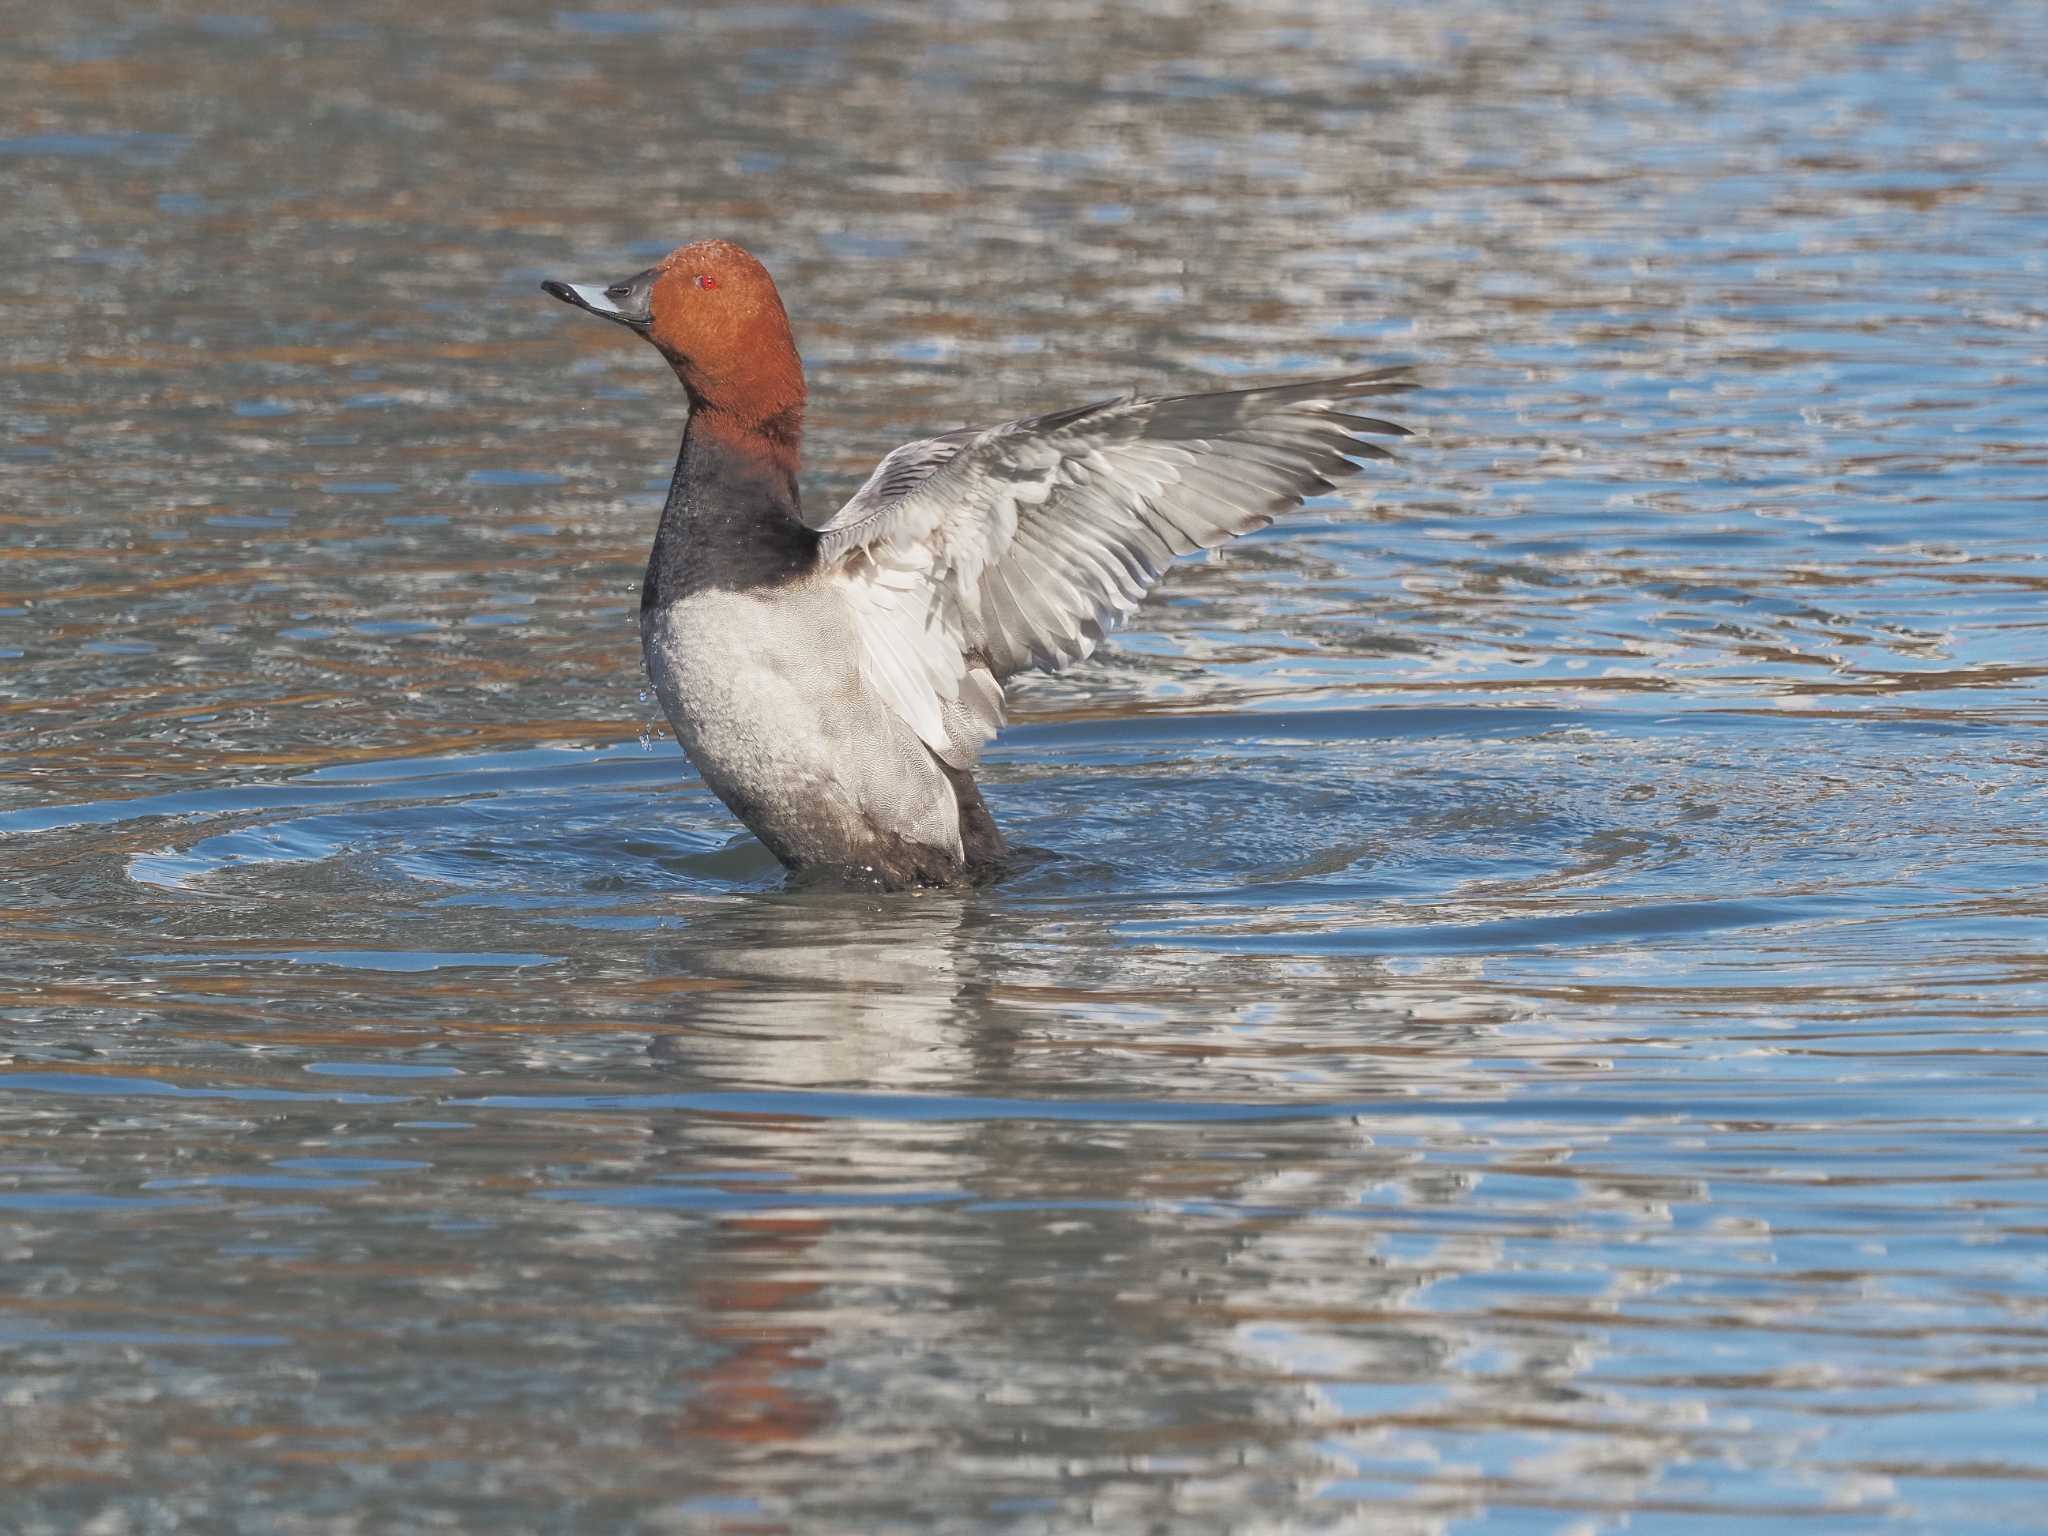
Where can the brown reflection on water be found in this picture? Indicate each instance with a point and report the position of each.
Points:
(755, 1397)
(1523, 1003)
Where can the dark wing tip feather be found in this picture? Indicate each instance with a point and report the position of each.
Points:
(1359, 449)
(1373, 424)
(1397, 380)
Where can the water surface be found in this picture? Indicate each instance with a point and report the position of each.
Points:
(1528, 1012)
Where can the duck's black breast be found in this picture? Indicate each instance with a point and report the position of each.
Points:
(732, 522)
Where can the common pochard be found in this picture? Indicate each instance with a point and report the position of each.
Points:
(834, 680)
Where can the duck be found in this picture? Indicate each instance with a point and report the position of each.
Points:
(834, 680)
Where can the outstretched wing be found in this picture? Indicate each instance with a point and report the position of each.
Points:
(970, 557)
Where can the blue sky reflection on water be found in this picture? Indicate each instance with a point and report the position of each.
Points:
(1523, 1005)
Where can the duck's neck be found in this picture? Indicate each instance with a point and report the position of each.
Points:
(732, 519)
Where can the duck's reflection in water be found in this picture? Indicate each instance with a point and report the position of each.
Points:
(794, 993)
(826, 991)
(927, 1231)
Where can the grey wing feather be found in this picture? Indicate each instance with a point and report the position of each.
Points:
(901, 471)
(970, 557)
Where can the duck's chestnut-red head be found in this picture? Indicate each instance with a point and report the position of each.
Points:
(712, 310)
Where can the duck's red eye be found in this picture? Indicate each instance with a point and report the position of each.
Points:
(706, 280)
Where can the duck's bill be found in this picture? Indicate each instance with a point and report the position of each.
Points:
(629, 302)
